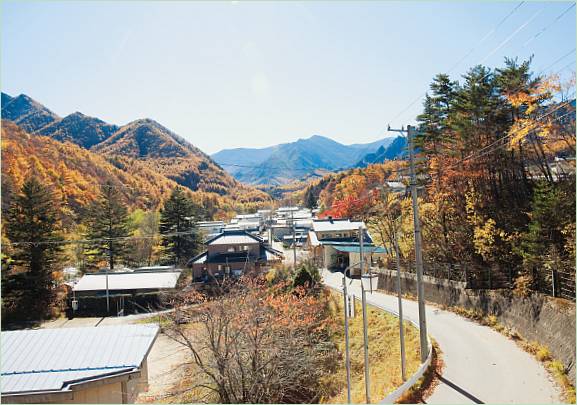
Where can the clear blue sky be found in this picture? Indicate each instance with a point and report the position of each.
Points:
(230, 74)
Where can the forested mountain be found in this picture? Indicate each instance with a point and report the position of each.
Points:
(29, 114)
(396, 149)
(79, 129)
(284, 163)
(77, 174)
(145, 140)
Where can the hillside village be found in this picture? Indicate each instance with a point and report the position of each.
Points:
(303, 229)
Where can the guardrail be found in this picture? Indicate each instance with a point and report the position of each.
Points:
(412, 380)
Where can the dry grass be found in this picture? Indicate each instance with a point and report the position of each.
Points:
(384, 353)
(425, 386)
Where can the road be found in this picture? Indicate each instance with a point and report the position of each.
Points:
(481, 365)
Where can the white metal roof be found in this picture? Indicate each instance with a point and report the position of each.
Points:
(336, 225)
(51, 359)
(234, 240)
(128, 281)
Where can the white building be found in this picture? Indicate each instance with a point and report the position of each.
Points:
(107, 364)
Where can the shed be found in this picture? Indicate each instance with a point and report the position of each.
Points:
(128, 292)
(106, 364)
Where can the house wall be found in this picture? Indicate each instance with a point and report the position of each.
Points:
(329, 256)
(336, 234)
(253, 249)
(549, 321)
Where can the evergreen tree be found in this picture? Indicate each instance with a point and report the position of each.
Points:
(32, 216)
(108, 226)
(434, 135)
(178, 223)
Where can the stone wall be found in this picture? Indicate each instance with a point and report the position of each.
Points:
(549, 321)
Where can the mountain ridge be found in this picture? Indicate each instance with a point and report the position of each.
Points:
(143, 139)
(286, 162)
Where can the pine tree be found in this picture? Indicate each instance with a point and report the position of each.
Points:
(32, 217)
(178, 223)
(108, 226)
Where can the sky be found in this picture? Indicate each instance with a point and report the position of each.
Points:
(252, 74)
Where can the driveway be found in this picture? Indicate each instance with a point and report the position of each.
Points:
(481, 365)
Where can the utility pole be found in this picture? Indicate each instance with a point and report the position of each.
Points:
(110, 264)
(399, 295)
(294, 239)
(365, 320)
(418, 253)
(347, 353)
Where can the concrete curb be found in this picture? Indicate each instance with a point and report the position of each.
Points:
(398, 392)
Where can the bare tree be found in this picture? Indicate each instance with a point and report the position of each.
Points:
(257, 345)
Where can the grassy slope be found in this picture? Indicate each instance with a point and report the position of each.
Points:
(384, 353)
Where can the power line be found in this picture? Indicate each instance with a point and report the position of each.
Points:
(565, 67)
(489, 34)
(571, 52)
(463, 58)
(83, 241)
(478, 153)
(549, 25)
(510, 37)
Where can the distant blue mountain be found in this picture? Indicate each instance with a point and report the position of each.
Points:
(281, 164)
(396, 149)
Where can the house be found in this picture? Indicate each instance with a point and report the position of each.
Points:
(107, 364)
(233, 253)
(396, 186)
(210, 228)
(128, 292)
(334, 244)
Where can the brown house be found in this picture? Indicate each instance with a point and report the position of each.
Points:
(233, 253)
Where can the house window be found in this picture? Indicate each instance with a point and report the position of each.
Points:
(219, 267)
(231, 249)
(245, 248)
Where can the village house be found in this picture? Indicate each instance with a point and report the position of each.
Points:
(104, 365)
(128, 291)
(335, 245)
(233, 253)
(208, 229)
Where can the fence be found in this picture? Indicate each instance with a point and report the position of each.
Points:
(555, 282)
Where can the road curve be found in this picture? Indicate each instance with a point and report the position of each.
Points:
(481, 365)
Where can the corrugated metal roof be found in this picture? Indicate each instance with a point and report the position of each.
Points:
(336, 225)
(128, 281)
(234, 239)
(50, 359)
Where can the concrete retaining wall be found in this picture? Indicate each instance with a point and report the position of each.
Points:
(547, 320)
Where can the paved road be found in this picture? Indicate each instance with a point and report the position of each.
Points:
(481, 365)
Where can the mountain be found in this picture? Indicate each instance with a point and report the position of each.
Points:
(142, 143)
(286, 162)
(170, 155)
(27, 113)
(229, 158)
(396, 149)
(74, 172)
(146, 138)
(79, 129)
